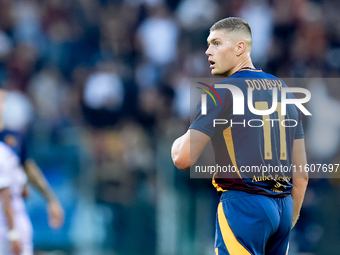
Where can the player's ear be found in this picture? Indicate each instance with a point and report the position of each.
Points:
(240, 48)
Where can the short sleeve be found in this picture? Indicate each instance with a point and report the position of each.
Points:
(204, 123)
(299, 134)
(5, 172)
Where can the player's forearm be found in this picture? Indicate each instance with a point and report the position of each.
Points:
(300, 181)
(5, 196)
(298, 194)
(36, 177)
(187, 149)
(300, 178)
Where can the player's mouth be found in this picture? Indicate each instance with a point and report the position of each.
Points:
(212, 64)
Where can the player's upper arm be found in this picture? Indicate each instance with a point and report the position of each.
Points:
(5, 173)
(299, 158)
(188, 148)
(5, 195)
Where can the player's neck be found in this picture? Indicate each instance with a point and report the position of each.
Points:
(242, 64)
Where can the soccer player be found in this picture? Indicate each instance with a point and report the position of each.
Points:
(15, 138)
(21, 235)
(15, 225)
(256, 210)
(16, 141)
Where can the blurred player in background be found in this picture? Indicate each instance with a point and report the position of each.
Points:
(256, 212)
(13, 188)
(15, 225)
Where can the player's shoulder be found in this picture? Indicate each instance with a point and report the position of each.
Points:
(268, 75)
(5, 150)
(254, 73)
(246, 75)
(259, 76)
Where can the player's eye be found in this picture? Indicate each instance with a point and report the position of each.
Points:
(217, 43)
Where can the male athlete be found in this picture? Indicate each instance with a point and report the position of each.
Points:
(15, 225)
(256, 210)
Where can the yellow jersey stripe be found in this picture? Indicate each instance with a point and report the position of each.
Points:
(283, 140)
(218, 187)
(233, 246)
(263, 105)
(230, 147)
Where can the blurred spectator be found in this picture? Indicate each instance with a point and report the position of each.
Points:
(27, 30)
(260, 17)
(21, 66)
(182, 94)
(49, 93)
(322, 136)
(103, 96)
(17, 111)
(200, 17)
(158, 36)
(6, 45)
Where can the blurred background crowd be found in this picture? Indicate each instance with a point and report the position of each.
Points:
(105, 86)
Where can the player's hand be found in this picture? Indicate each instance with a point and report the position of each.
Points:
(55, 214)
(25, 192)
(16, 247)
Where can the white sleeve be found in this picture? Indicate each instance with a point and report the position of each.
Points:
(5, 179)
(5, 169)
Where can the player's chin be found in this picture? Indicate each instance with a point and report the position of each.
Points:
(215, 72)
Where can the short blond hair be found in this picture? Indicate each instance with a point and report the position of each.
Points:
(233, 24)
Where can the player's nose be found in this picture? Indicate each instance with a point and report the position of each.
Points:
(208, 52)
